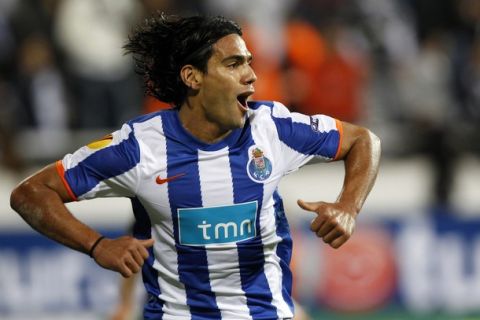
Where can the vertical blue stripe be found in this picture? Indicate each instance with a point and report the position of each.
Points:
(185, 192)
(142, 229)
(250, 253)
(284, 248)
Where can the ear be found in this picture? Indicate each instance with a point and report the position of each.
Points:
(191, 76)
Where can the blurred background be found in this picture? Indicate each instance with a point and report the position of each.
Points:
(407, 69)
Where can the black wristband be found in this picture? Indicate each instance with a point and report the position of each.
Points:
(90, 253)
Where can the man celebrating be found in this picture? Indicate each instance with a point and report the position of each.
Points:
(211, 236)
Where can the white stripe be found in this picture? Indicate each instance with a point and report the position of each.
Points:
(216, 185)
(172, 290)
(280, 111)
(270, 239)
(300, 118)
(326, 123)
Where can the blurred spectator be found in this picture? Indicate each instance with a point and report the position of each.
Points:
(467, 71)
(9, 157)
(7, 38)
(33, 96)
(305, 52)
(42, 92)
(37, 83)
(425, 85)
(91, 34)
(431, 15)
(389, 31)
(471, 81)
(33, 16)
(334, 67)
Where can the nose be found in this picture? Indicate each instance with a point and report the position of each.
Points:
(250, 76)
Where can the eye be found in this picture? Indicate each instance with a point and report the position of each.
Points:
(232, 65)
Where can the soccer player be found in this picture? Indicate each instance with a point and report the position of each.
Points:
(211, 236)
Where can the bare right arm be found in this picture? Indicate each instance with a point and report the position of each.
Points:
(40, 201)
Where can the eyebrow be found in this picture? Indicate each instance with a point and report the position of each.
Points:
(238, 57)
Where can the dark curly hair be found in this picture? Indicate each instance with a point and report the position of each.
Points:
(165, 43)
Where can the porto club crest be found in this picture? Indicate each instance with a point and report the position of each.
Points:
(259, 167)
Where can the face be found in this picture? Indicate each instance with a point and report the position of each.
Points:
(227, 84)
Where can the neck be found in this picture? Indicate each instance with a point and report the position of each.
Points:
(199, 126)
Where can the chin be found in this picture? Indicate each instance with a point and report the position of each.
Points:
(236, 121)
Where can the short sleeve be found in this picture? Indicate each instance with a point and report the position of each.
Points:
(305, 137)
(107, 167)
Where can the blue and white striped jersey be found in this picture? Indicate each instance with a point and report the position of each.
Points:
(222, 243)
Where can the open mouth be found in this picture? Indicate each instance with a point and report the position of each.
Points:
(243, 98)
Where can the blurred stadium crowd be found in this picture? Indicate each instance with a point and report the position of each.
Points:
(408, 69)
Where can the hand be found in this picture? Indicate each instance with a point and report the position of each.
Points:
(334, 223)
(125, 255)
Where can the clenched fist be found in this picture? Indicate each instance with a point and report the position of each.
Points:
(334, 222)
(125, 255)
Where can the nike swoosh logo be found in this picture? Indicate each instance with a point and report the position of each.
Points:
(168, 179)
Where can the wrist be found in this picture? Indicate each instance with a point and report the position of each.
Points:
(350, 207)
(94, 246)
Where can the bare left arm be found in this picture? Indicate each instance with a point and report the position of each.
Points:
(360, 149)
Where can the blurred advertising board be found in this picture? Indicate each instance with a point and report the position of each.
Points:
(426, 265)
(38, 276)
(429, 264)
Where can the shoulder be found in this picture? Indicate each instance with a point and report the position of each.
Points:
(151, 123)
(270, 118)
(275, 112)
(144, 119)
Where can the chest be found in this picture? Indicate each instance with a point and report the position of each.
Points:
(186, 178)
